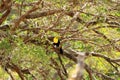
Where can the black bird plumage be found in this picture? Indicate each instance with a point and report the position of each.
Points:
(57, 45)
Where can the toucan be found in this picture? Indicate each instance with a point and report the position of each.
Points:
(56, 43)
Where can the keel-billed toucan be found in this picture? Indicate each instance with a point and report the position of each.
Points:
(56, 43)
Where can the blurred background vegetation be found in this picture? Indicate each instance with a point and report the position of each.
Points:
(26, 53)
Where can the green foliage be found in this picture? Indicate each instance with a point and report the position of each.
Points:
(86, 17)
(118, 29)
(5, 46)
(0, 14)
(37, 56)
(116, 13)
(3, 74)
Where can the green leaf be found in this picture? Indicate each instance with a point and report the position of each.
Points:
(118, 29)
(0, 14)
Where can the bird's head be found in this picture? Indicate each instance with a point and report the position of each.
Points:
(56, 39)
